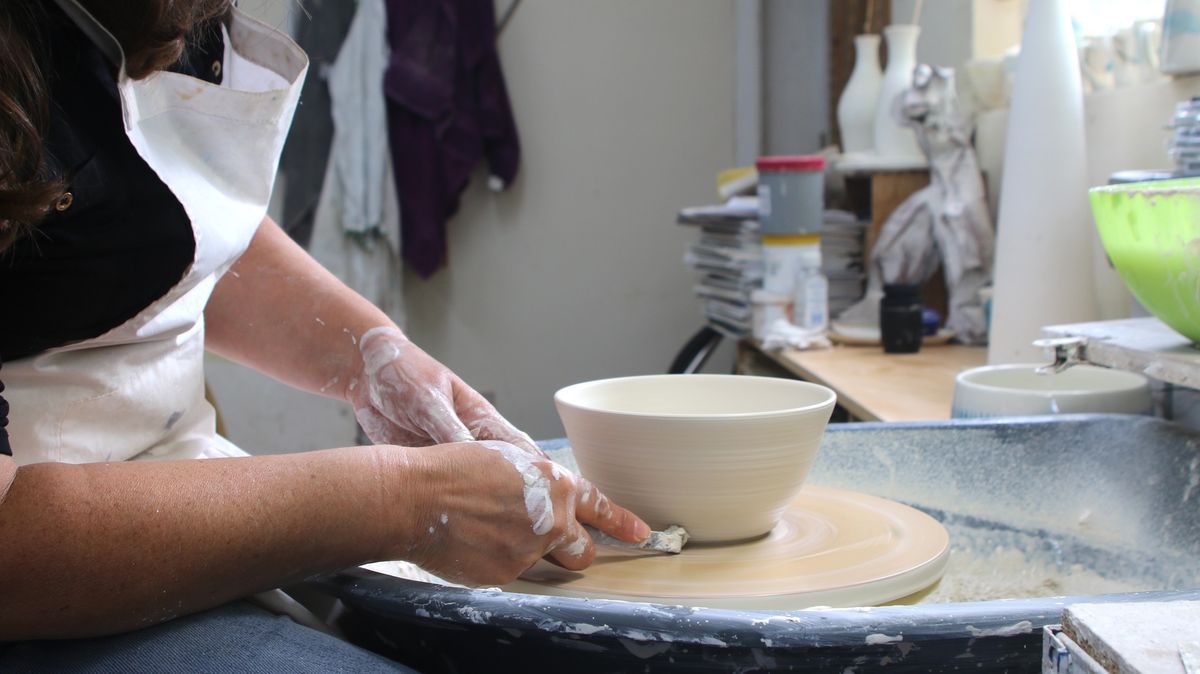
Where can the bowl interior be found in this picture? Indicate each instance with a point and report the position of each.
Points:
(709, 396)
(1151, 232)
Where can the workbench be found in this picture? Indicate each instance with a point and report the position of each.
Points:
(872, 385)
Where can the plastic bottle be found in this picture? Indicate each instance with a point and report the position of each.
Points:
(811, 299)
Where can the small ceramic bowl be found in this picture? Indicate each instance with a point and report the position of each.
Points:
(721, 455)
(1018, 390)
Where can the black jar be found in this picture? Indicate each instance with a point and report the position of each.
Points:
(900, 324)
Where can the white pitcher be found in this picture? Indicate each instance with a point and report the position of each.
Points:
(892, 140)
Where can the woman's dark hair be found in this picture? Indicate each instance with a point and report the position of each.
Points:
(152, 34)
(25, 190)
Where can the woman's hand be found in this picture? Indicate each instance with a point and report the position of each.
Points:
(480, 513)
(406, 397)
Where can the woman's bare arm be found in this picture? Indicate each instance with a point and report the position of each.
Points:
(279, 311)
(109, 547)
(102, 548)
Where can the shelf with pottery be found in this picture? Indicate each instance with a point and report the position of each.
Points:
(1145, 345)
(881, 160)
(870, 384)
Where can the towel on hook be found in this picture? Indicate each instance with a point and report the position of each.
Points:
(447, 109)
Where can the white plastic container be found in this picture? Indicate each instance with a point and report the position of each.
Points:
(767, 308)
(810, 308)
(783, 257)
(791, 194)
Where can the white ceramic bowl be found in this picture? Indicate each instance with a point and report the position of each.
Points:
(1017, 390)
(721, 455)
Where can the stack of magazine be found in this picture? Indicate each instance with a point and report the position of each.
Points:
(728, 255)
(842, 258)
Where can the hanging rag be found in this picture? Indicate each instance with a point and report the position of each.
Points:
(946, 222)
(306, 153)
(447, 109)
(356, 232)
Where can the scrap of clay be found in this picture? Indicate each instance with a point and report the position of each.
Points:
(670, 540)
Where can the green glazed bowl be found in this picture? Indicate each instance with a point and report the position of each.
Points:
(1151, 232)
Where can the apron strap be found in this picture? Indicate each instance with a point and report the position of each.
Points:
(95, 31)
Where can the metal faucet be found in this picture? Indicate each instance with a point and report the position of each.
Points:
(1068, 351)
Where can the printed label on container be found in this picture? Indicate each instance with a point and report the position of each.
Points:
(764, 201)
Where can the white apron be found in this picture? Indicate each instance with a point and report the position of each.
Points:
(137, 391)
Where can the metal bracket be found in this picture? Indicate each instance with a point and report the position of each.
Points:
(1068, 351)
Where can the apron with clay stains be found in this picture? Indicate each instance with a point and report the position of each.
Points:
(137, 391)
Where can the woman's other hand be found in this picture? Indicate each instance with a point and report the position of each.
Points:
(406, 397)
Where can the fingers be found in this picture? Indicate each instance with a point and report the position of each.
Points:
(442, 424)
(575, 550)
(501, 519)
(382, 431)
(496, 428)
(485, 423)
(433, 413)
(594, 508)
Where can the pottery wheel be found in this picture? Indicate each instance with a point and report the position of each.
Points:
(832, 548)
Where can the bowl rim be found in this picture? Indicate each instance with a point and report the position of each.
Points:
(828, 400)
(1189, 185)
(1142, 383)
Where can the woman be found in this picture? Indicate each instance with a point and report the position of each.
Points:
(137, 149)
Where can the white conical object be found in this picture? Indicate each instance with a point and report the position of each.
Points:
(856, 108)
(892, 140)
(1043, 272)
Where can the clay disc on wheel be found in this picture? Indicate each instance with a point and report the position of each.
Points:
(832, 548)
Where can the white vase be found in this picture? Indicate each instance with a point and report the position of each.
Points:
(856, 108)
(1044, 238)
(892, 140)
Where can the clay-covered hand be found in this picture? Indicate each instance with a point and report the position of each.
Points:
(480, 513)
(406, 397)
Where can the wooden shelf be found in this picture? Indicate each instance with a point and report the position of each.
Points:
(1144, 345)
(870, 384)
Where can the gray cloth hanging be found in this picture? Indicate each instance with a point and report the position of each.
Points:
(320, 32)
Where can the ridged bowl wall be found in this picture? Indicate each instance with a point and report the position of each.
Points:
(721, 455)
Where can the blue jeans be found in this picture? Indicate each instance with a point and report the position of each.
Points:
(236, 637)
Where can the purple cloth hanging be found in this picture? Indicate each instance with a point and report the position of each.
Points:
(447, 109)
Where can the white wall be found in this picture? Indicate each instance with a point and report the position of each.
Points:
(946, 30)
(795, 75)
(625, 112)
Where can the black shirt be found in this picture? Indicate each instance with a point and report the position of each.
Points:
(119, 239)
